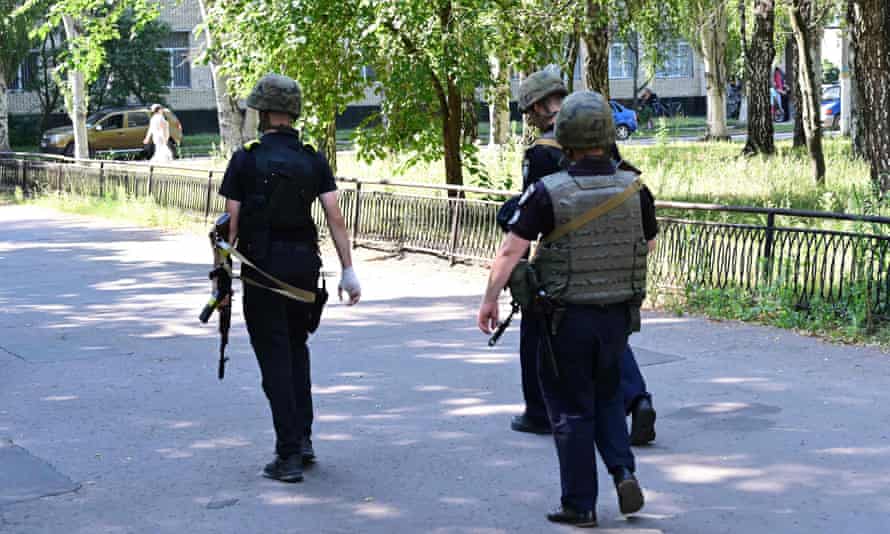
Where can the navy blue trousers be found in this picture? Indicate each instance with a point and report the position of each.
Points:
(633, 385)
(584, 401)
(278, 329)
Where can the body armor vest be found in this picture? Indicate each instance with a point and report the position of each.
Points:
(279, 205)
(604, 261)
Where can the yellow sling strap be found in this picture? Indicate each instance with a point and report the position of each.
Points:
(283, 289)
(547, 142)
(594, 212)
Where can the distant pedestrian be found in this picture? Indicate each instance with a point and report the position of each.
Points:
(158, 134)
(782, 89)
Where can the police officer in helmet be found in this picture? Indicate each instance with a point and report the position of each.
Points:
(270, 186)
(540, 98)
(591, 269)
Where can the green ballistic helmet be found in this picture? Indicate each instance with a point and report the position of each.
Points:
(585, 121)
(275, 92)
(539, 86)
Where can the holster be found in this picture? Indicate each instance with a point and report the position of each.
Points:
(521, 284)
(318, 307)
(634, 321)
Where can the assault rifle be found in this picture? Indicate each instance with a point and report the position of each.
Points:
(221, 275)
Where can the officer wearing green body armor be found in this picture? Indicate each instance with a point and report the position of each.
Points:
(588, 279)
(270, 186)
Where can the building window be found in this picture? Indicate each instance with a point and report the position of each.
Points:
(24, 76)
(177, 48)
(621, 62)
(368, 74)
(678, 61)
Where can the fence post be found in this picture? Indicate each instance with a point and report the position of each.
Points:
(101, 179)
(61, 186)
(151, 172)
(356, 214)
(768, 244)
(209, 189)
(455, 228)
(20, 174)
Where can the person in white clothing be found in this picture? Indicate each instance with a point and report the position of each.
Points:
(159, 135)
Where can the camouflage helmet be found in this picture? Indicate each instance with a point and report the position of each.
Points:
(539, 86)
(275, 92)
(585, 121)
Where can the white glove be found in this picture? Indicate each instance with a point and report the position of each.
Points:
(349, 283)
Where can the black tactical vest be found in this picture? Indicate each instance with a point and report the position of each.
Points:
(278, 205)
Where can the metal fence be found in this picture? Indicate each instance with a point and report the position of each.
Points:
(839, 258)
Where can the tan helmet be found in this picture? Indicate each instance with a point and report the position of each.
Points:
(585, 121)
(539, 86)
(275, 92)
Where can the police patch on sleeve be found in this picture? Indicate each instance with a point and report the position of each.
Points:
(525, 166)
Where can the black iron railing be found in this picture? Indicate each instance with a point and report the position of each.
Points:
(834, 257)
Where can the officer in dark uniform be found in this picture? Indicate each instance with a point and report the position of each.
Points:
(591, 210)
(270, 186)
(540, 98)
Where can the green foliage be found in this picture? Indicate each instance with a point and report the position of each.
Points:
(133, 65)
(96, 22)
(318, 42)
(15, 34)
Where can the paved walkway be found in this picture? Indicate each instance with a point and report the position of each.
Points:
(112, 419)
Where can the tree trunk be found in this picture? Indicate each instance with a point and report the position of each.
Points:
(714, 35)
(761, 52)
(327, 144)
(595, 35)
(800, 138)
(4, 114)
(572, 48)
(231, 122)
(76, 97)
(802, 12)
(251, 125)
(469, 120)
(451, 138)
(870, 34)
(499, 102)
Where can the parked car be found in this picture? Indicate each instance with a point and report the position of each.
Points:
(625, 120)
(831, 106)
(115, 130)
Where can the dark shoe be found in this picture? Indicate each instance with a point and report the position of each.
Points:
(288, 469)
(642, 426)
(564, 514)
(524, 423)
(308, 453)
(630, 496)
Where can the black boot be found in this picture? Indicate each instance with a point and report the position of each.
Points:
(288, 469)
(565, 514)
(308, 453)
(524, 423)
(642, 426)
(630, 496)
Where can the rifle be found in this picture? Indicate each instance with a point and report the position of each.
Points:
(221, 275)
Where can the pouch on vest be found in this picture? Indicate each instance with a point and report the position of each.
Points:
(521, 284)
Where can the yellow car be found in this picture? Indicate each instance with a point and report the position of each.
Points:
(112, 130)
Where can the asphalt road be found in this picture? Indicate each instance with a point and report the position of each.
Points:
(112, 419)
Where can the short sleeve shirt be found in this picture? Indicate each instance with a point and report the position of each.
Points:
(239, 177)
(534, 217)
(540, 161)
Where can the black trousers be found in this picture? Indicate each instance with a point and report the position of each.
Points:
(584, 401)
(278, 332)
